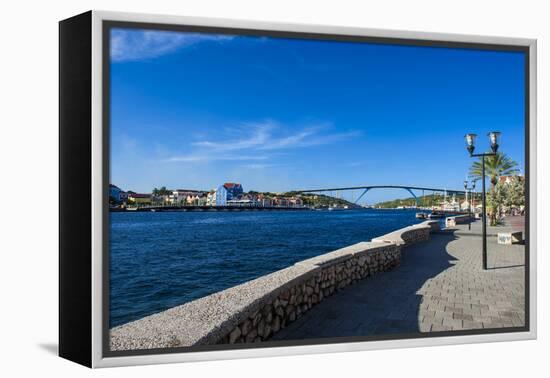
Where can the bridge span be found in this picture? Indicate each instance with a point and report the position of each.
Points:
(366, 188)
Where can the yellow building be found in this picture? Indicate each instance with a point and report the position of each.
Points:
(139, 199)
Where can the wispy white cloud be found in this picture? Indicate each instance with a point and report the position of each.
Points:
(259, 166)
(269, 135)
(290, 141)
(131, 45)
(308, 138)
(261, 141)
(197, 157)
(254, 135)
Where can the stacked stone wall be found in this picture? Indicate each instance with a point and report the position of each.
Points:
(255, 310)
(361, 261)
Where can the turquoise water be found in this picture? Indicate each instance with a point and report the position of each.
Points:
(164, 259)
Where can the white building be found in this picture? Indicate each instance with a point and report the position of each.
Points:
(221, 196)
(245, 202)
(177, 197)
(211, 198)
(183, 196)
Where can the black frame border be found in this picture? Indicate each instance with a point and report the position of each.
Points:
(107, 25)
(75, 166)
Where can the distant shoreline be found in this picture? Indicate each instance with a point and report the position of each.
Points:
(164, 209)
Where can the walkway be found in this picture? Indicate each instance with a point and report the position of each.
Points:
(517, 222)
(439, 286)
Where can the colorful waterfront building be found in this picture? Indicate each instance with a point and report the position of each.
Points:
(234, 190)
(139, 199)
(296, 202)
(265, 201)
(509, 179)
(228, 192)
(201, 201)
(184, 196)
(281, 202)
(243, 202)
(116, 194)
(211, 198)
(193, 199)
(221, 196)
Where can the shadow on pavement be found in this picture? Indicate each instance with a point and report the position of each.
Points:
(505, 267)
(386, 303)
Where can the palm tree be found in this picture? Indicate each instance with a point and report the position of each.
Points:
(495, 166)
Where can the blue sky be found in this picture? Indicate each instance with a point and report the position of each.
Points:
(195, 110)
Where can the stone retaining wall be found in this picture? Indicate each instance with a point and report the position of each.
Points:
(458, 219)
(408, 235)
(433, 224)
(255, 310)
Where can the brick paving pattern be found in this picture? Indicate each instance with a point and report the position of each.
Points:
(439, 286)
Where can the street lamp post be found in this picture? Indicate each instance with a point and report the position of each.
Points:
(471, 188)
(470, 141)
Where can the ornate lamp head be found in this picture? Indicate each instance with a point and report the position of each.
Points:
(493, 137)
(470, 141)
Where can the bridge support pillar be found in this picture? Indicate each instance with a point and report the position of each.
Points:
(362, 194)
(414, 195)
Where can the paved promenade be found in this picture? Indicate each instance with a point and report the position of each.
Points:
(439, 286)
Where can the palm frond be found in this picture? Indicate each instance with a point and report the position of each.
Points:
(495, 166)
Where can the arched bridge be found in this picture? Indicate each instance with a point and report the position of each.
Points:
(366, 188)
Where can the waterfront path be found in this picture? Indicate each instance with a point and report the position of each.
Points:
(439, 286)
(517, 223)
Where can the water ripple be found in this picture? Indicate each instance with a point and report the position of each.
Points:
(160, 260)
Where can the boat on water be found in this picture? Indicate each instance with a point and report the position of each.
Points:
(438, 214)
(421, 215)
(336, 208)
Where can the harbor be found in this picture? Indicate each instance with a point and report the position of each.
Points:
(206, 208)
(414, 280)
(160, 260)
(309, 198)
